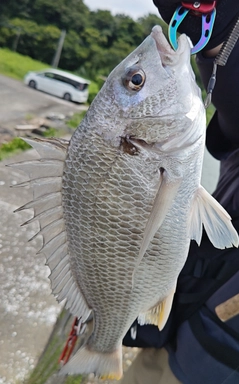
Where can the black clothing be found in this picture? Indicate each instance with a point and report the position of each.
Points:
(227, 191)
(223, 129)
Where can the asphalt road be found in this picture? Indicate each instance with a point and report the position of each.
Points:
(18, 100)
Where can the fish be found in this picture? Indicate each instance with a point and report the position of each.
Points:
(119, 203)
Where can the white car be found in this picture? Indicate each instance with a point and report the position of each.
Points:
(59, 83)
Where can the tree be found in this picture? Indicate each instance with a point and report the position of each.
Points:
(149, 21)
(95, 41)
(65, 14)
(13, 8)
(104, 22)
(36, 41)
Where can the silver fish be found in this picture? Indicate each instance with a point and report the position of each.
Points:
(119, 204)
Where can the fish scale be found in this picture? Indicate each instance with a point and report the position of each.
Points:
(99, 237)
(118, 205)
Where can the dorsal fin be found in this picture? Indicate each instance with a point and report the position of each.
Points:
(45, 180)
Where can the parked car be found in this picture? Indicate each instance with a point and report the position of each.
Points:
(59, 83)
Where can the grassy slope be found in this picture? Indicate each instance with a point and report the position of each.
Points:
(14, 65)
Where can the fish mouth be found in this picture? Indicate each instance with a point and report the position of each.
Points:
(166, 52)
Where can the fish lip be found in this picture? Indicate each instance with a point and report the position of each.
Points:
(161, 41)
(166, 52)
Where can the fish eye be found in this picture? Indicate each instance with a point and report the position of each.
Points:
(134, 79)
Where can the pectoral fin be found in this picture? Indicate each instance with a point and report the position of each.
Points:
(217, 223)
(159, 314)
(162, 203)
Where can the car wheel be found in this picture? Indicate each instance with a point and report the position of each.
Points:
(67, 97)
(32, 84)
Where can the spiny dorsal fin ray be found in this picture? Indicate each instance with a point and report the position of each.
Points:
(50, 231)
(49, 148)
(60, 253)
(43, 203)
(41, 168)
(46, 217)
(49, 248)
(217, 223)
(42, 186)
(46, 182)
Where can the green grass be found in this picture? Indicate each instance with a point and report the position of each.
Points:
(13, 146)
(73, 380)
(52, 132)
(14, 65)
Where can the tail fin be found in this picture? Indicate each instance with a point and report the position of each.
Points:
(106, 365)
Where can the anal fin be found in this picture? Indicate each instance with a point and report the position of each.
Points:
(158, 315)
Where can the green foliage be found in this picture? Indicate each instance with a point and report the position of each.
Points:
(148, 22)
(51, 132)
(61, 13)
(13, 146)
(93, 90)
(29, 38)
(95, 42)
(73, 380)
